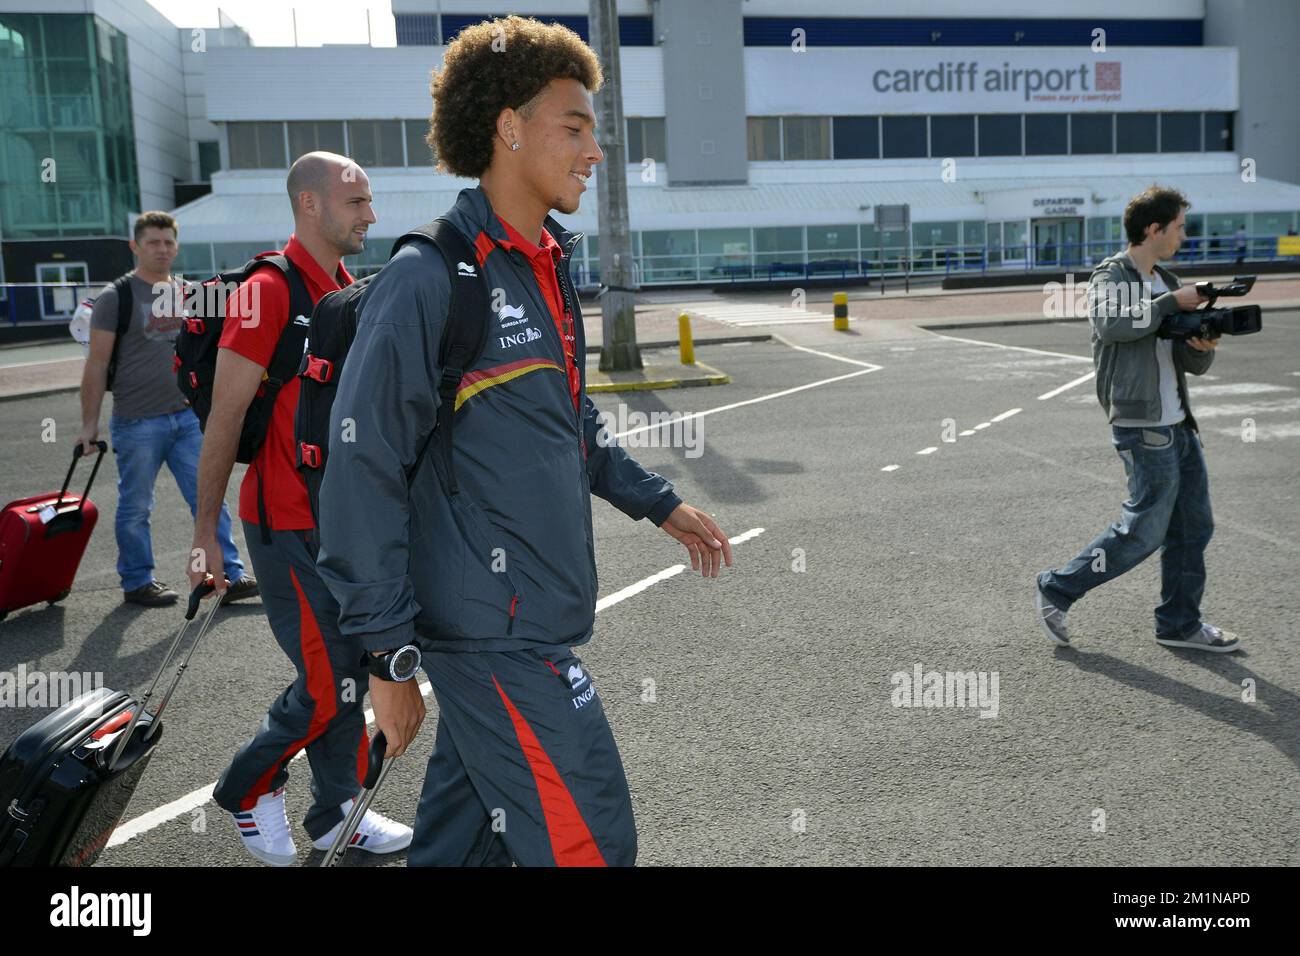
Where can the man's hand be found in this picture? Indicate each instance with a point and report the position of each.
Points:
(87, 440)
(206, 558)
(1188, 297)
(399, 711)
(703, 539)
(1203, 345)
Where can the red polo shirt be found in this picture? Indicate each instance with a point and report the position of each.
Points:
(545, 259)
(285, 494)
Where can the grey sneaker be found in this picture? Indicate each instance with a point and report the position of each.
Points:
(1052, 619)
(1208, 638)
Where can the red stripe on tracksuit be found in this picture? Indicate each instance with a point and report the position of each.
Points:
(482, 246)
(320, 686)
(571, 840)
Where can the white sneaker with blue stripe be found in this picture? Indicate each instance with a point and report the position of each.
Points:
(264, 830)
(376, 833)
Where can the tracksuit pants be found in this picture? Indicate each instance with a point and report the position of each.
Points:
(322, 711)
(524, 769)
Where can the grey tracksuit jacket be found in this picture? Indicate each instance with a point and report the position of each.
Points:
(1124, 323)
(509, 562)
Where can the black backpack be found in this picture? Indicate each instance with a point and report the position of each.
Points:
(334, 326)
(125, 304)
(195, 363)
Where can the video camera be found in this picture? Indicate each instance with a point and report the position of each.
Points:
(1209, 322)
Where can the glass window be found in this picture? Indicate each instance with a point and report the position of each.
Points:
(725, 252)
(1000, 135)
(934, 234)
(306, 136)
(904, 137)
(375, 142)
(209, 159)
(1218, 132)
(857, 137)
(1135, 133)
(841, 239)
(952, 136)
(807, 137)
(645, 139)
(1046, 134)
(1271, 224)
(1015, 238)
(231, 255)
(972, 232)
(1180, 132)
(256, 145)
(1092, 133)
(418, 152)
(779, 245)
(668, 255)
(764, 135)
(194, 261)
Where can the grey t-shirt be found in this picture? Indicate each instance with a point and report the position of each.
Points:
(1171, 404)
(145, 384)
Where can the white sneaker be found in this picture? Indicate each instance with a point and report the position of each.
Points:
(1208, 638)
(377, 833)
(265, 830)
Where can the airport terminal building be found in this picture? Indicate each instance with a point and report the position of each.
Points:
(762, 145)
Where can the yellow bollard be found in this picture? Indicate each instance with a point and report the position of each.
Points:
(684, 337)
(841, 300)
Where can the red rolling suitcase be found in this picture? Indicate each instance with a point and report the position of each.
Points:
(42, 540)
(66, 781)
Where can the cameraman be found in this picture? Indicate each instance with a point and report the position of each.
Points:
(1140, 383)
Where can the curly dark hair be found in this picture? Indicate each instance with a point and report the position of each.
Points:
(495, 65)
(1158, 204)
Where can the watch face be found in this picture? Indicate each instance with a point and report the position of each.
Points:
(405, 662)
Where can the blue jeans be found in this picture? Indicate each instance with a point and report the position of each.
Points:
(1168, 506)
(141, 446)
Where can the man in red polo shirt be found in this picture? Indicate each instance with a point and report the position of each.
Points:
(321, 711)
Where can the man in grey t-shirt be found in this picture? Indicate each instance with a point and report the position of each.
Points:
(151, 422)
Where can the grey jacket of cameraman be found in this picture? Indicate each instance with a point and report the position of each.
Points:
(508, 562)
(1124, 324)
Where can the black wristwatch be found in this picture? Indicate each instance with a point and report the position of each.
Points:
(399, 665)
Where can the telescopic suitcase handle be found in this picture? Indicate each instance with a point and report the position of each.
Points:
(77, 452)
(376, 770)
(192, 608)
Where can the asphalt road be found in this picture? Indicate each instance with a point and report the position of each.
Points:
(774, 735)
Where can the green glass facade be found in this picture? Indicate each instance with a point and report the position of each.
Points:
(67, 147)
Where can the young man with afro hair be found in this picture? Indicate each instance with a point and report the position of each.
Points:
(490, 580)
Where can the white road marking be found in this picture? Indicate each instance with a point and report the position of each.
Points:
(744, 316)
(197, 798)
(1265, 432)
(982, 425)
(1005, 415)
(969, 431)
(927, 451)
(752, 401)
(1237, 388)
(890, 468)
(830, 355)
(1066, 387)
(1013, 348)
(1243, 411)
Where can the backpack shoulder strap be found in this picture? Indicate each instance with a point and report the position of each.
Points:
(288, 349)
(463, 335)
(125, 303)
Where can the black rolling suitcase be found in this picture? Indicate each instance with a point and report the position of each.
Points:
(66, 781)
